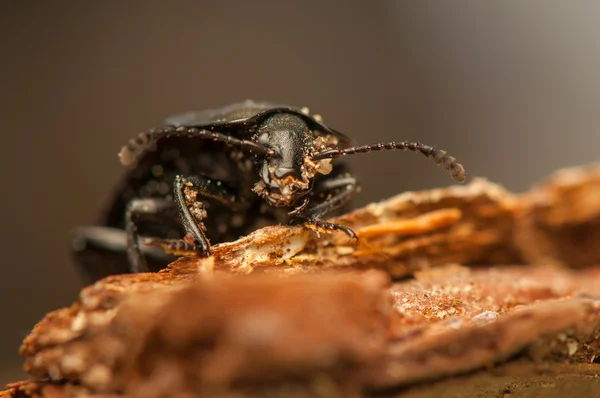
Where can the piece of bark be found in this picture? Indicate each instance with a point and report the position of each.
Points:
(455, 320)
(305, 333)
(560, 222)
(470, 224)
(46, 389)
(448, 321)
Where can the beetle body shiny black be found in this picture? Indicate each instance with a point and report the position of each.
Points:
(221, 174)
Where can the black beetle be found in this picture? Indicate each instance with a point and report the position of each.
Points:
(247, 165)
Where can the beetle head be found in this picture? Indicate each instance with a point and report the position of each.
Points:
(288, 173)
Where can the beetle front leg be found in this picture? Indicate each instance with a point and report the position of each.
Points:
(320, 225)
(137, 210)
(330, 195)
(101, 251)
(188, 193)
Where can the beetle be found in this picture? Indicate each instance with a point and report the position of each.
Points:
(214, 175)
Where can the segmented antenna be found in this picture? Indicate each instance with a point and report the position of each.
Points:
(448, 163)
(146, 141)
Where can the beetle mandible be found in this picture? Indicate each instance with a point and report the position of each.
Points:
(221, 174)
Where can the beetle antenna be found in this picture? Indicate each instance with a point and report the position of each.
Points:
(146, 141)
(448, 163)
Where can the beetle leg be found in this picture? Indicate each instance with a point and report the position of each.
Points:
(101, 251)
(319, 225)
(188, 193)
(178, 247)
(298, 210)
(330, 194)
(136, 210)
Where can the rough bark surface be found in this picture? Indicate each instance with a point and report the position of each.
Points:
(470, 224)
(284, 313)
(561, 221)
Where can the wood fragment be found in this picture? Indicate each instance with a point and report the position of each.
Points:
(453, 322)
(470, 224)
(560, 223)
(206, 336)
(448, 321)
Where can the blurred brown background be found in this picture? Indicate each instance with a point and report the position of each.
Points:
(511, 89)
